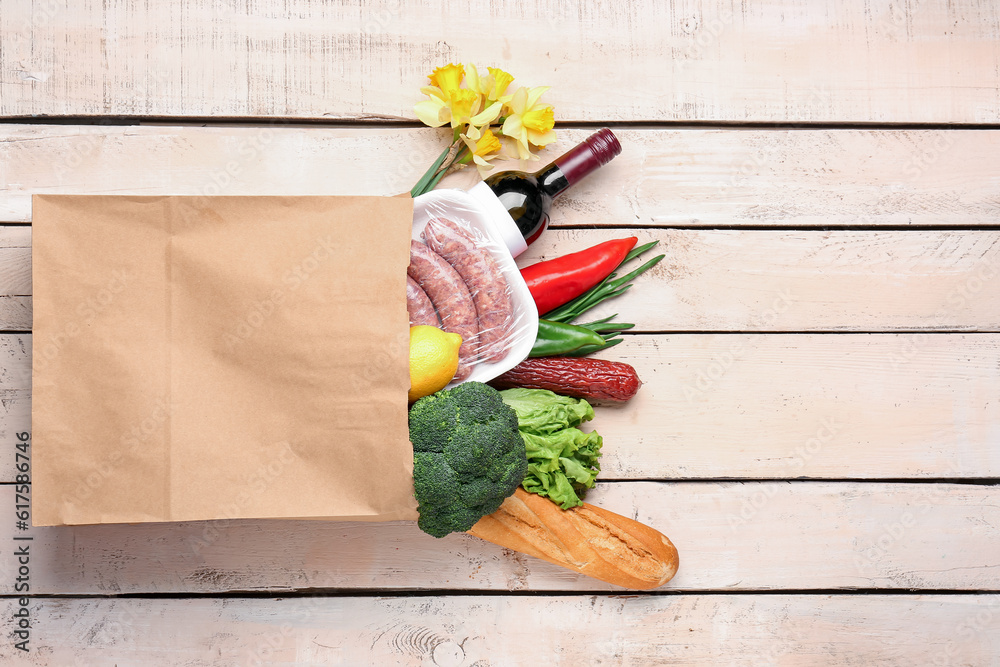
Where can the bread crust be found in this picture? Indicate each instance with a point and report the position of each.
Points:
(586, 539)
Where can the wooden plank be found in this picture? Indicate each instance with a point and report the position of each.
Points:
(739, 630)
(15, 313)
(687, 177)
(759, 280)
(779, 61)
(756, 406)
(15, 236)
(731, 536)
(14, 208)
(15, 271)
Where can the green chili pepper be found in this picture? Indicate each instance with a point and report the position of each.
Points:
(589, 349)
(557, 338)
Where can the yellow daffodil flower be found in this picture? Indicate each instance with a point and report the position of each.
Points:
(471, 109)
(499, 83)
(448, 78)
(473, 80)
(449, 102)
(464, 105)
(446, 82)
(482, 150)
(465, 111)
(492, 86)
(529, 122)
(459, 108)
(436, 111)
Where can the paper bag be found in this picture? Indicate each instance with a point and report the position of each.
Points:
(220, 358)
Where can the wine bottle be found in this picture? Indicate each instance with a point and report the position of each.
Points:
(528, 196)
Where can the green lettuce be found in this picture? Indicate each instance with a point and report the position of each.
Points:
(562, 459)
(542, 412)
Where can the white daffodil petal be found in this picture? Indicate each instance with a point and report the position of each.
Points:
(534, 94)
(472, 77)
(512, 126)
(487, 115)
(431, 113)
(523, 151)
(433, 92)
(541, 138)
(517, 102)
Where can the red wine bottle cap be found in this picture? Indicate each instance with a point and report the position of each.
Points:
(604, 145)
(595, 151)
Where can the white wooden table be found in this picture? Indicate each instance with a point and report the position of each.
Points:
(819, 429)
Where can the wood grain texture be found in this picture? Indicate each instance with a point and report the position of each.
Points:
(685, 177)
(634, 631)
(15, 313)
(755, 406)
(758, 280)
(730, 536)
(773, 61)
(15, 271)
(752, 405)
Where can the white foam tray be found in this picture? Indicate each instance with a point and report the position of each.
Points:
(460, 207)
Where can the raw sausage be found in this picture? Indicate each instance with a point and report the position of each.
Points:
(419, 305)
(451, 299)
(482, 275)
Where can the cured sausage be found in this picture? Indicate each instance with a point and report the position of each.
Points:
(484, 279)
(451, 299)
(596, 380)
(419, 305)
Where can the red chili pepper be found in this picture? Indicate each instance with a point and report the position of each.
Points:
(557, 281)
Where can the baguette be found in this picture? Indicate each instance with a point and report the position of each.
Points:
(586, 539)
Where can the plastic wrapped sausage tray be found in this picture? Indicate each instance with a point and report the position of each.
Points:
(458, 228)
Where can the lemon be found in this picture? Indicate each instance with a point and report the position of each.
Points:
(433, 360)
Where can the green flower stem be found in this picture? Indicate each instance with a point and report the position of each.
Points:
(421, 186)
(436, 178)
(436, 172)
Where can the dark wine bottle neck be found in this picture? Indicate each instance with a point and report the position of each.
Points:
(552, 180)
(570, 168)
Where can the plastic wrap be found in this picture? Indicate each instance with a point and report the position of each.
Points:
(461, 265)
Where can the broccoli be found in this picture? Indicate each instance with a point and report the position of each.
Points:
(468, 456)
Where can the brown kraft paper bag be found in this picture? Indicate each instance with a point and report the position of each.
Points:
(220, 358)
